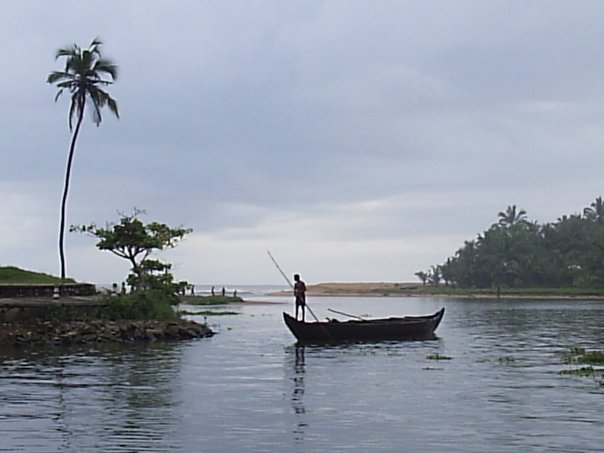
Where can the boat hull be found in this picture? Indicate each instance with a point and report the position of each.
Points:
(333, 331)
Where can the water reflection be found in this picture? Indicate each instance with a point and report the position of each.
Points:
(297, 394)
(126, 393)
(251, 389)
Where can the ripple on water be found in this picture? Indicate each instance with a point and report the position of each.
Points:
(250, 388)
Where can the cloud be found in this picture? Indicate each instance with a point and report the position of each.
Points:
(359, 140)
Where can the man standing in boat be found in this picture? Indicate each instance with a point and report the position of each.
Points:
(300, 295)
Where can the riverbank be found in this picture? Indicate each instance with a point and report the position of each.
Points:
(82, 320)
(64, 333)
(392, 289)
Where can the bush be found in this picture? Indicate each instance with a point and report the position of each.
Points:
(154, 304)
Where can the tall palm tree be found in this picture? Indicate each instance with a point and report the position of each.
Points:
(83, 78)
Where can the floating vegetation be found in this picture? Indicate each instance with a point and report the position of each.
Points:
(581, 355)
(586, 371)
(589, 359)
(209, 313)
(503, 360)
(506, 360)
(437, 357)
(593, 357)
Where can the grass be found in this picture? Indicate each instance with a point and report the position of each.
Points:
(11, 275)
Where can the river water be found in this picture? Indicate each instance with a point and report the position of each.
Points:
(249, 388)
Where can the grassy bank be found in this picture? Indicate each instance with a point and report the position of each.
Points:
(11, 275)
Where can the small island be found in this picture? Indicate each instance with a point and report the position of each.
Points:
(40, 309)
(32, 316)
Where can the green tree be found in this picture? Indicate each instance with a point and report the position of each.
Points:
(83, 77)
(511, 216)
(434, 275)
(567, 243)
(515, 252)
(134, 241)
(595, 212)
(423, 276)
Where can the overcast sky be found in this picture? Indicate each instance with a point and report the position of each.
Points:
(356, 140)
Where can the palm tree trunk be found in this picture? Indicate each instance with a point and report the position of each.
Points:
(65, 192)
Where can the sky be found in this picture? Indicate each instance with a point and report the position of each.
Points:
(355, 140)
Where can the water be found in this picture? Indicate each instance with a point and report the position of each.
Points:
(249, 388)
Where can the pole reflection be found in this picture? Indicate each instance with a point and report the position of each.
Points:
(296, 354)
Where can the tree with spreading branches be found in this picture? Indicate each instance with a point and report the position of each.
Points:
(134, 241)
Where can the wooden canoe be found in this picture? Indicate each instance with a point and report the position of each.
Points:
(406, 328)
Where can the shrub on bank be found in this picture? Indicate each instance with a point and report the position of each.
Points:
(156, 304)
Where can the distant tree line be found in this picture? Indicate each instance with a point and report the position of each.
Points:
(518, 253)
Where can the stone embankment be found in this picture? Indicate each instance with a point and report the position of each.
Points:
(47, 290)
(98, 331)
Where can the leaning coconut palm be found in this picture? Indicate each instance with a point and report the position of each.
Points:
(83, 78)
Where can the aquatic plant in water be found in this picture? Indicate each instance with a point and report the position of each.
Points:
(209, 313)
(587, 358)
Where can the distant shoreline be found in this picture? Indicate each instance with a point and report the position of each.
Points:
(392, 289)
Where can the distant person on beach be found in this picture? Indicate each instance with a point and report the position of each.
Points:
(300, 295)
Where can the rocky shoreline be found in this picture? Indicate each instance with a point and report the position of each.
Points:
(98, 331)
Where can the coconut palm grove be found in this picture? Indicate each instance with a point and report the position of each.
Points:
(518, 253)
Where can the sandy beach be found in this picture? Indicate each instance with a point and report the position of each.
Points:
(357, 289)
(383, 289)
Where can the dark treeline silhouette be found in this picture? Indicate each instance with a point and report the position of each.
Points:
(518, 253)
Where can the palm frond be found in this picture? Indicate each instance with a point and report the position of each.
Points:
(58, 94)
(95, 45)
(95, 109)
(67, 51)
(56, 76)
(107, 66)
(82, 76)
(112, 104)
(72, 109)
(76, 107)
